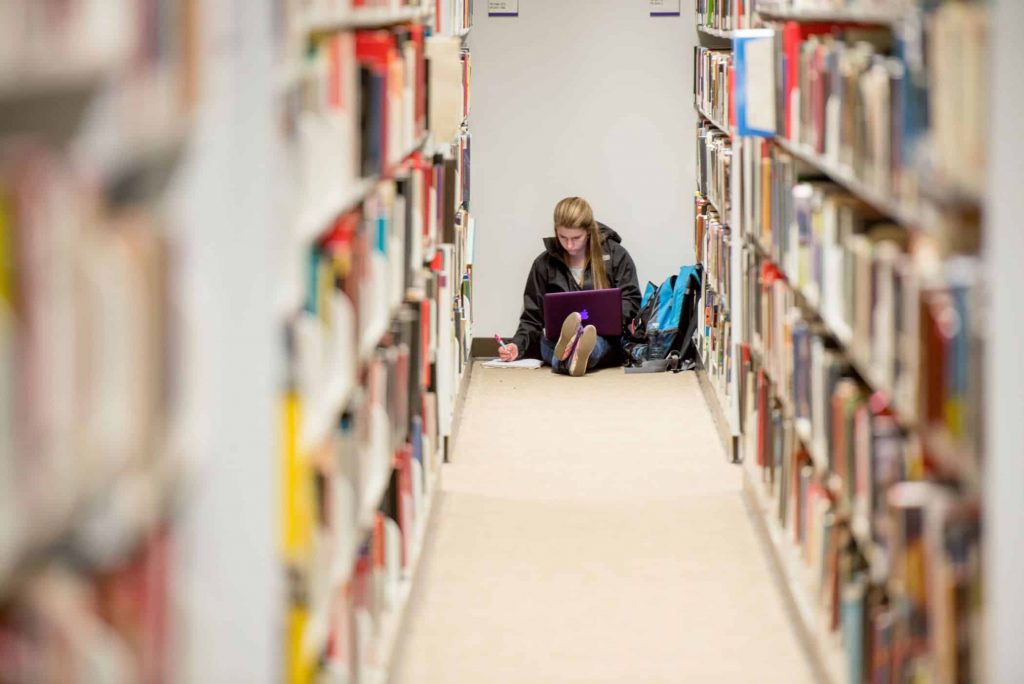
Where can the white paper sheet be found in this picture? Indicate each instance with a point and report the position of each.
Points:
(529, 364)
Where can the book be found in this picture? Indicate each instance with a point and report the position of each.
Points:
(448, 92)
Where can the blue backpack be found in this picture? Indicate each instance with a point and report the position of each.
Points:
(660, 337)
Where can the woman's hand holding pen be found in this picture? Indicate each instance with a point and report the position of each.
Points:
(506, 352)
(510, 352)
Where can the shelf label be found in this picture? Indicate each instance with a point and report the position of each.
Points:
(503, 8)
(664, 8)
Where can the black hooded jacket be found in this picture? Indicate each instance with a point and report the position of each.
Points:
(550, 273)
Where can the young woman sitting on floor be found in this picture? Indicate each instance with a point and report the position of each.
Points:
(583, 255)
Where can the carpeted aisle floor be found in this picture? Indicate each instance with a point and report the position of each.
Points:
(591, 530)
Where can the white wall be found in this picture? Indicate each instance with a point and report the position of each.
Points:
(1004, 467)
(578, 97)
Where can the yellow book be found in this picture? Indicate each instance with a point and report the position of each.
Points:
(297, 487)
(301, 665)
(6, 253)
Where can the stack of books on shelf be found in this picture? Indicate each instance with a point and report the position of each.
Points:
(358, 111)
(859, 99)
(861, 310)
(714, 164)
(725, 15)
(712, 85)
(88, 340)
(452, 17)
(713, 248)
(380, 342)
(714, 251)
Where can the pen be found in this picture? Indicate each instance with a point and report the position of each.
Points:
(497, 338)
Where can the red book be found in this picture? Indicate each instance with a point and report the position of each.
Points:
(376, 51)
(425, 347)
(406, 513)
(793, 35)
(732, 101)
(762, 418)
(377, 543)
(418, 33)
(335, 69)
(938, 325)
(791, 50)
(339, 643)
(839, 436)
(361, 583)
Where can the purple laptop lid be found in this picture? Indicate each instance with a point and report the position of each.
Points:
(599, 308)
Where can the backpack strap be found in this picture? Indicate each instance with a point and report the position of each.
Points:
(669, 363)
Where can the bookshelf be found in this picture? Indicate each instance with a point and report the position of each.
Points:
(713, 121)
(92, 459)
(377, 313)
(722, 17)
(890, 206)
(856, 13)
(315, 220)
(859, 418)
(328, 21)
(54, 80)
(713, 237)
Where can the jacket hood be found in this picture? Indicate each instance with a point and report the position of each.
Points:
(607, 233)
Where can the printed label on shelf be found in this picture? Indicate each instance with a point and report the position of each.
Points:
(664, 8)
(503, 8)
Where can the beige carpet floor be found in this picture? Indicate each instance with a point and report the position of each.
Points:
(591, 530)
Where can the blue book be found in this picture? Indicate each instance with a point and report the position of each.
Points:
(417, 438)
(852, 623)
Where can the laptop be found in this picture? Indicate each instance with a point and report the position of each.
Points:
(600, 308)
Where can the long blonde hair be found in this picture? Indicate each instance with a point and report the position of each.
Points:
(575, 212)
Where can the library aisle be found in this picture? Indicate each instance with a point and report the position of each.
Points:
(593, 530)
